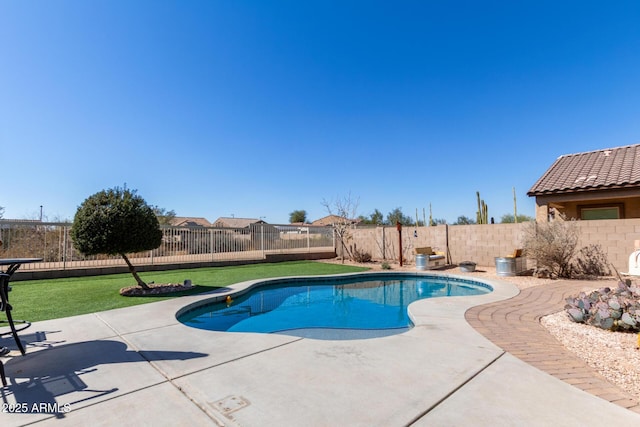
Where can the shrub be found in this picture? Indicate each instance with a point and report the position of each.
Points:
(360, 256)
(617, 309)
(592, 261)
(385, 266)
(552, 245)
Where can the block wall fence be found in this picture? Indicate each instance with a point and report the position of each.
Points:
(482, 243)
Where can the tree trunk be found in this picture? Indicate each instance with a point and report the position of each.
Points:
(132, 270)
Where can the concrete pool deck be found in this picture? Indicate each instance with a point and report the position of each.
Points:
(140, 366)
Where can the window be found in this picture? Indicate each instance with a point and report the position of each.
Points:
(614, 211)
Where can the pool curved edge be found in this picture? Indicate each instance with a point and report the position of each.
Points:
(432, 311)
(422, 312)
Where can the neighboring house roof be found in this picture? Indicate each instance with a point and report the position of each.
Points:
(236, 222)
(181, 221)
(612, 168)
(333, 219)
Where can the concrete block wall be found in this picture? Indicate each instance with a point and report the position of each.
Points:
(383, 243)
(615, 236)
(482, 243)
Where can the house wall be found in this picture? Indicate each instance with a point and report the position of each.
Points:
(569, 204)
(482, 243)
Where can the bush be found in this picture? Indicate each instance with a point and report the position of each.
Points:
(358, 255)
(592, 261)
(615, 310)
(361, 256)
(552, 245)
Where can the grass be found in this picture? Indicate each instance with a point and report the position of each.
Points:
(37, 300)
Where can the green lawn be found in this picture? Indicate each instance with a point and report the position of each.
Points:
(51, 299)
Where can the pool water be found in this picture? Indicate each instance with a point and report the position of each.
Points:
(298, 307)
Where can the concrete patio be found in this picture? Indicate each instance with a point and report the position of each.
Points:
(140, 366)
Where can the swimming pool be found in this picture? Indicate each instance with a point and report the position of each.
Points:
(339, 307)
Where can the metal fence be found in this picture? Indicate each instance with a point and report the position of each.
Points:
(52, 243)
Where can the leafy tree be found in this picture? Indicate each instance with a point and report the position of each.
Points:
(116, 222)
(375, 218)
(508, 218)
(164, 216)
(298, 216)
(396, 216)
(438, 221)
(463, 220)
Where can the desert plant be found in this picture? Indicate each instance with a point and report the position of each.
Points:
(552, 245)
(116, 222)
(613, 309)
(592, 261)
(385, 266)
(361, 256)
(358, 255)
(482, 214)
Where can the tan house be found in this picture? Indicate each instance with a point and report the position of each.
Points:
(181, 221)
(601, 184)
(236, 222)
(331, 220)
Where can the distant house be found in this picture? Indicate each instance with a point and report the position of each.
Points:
(190, 222)
(236, 222)
(330, 220)
(601, 184)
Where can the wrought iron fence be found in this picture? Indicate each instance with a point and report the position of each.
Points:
(52, 243)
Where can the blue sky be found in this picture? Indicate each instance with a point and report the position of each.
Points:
(259, 108)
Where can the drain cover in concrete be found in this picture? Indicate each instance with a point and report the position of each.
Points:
(230, 404)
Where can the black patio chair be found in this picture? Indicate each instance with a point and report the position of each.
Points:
(3, 351)
(6, 308)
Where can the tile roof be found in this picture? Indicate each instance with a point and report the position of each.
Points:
(181, 221)
(236, 222)
(333, 219)
(594, 170)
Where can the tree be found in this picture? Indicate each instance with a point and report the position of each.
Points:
(508, 218)
(116, 222)
(1, 212)
(396, 216)
(463, 220)
(298, 216)
(344, 209)
(164, 216)
(376, 218)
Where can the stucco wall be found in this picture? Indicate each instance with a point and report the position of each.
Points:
(482, 243)
(569, 203)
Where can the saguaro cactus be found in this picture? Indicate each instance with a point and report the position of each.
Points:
(482, 215)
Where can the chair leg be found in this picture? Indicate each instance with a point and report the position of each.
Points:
(4, 379)
(14, 332)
